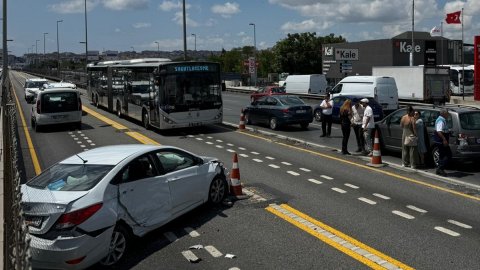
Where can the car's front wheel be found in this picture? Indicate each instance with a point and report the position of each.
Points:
(118, 246)
(145, 120)
(248, 121)
(218, 191)
(273, 123)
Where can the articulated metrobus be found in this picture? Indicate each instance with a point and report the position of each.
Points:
(158, 92)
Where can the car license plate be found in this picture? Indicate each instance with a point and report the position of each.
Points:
(34, 221)
(59, 116)
(301, 111)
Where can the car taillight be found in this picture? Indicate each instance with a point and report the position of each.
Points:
(462, 139)
(77, 217)
(285, 111)
(39, 109)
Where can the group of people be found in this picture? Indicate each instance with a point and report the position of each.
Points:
(359, 116)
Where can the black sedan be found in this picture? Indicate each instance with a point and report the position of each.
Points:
(279, 110)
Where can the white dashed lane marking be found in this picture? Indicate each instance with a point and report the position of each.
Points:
(414, 208)
(315, 181)
(209, 143)
(326, 177)
(365, 200)
(218, 146)
(257, 160)
(192, 232)
(454, 222)
(219, 141)
(190, 256)
(213, 251)
(339, 190)
(229, 144)
(293, 173)
(305, 170)
(241, 148)
(255, 153)
(270, 158)
(447, 231)
(231, 150)
(402, 214)
(351, 186)
(199, 139)
(274, 166)
(381, 196)
(209, 137)
(286, 163)
(244, 155)
(170, 236)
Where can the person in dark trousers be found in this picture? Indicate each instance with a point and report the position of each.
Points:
(326, 106)
(345, 122)
(441, 136)
(357, 118)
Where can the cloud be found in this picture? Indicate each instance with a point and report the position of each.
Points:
(178, 19)
(73, 6)
(125, 4)
(141, 25)
(171, 5)
(226, 10)
(117, 30)
(305, 26)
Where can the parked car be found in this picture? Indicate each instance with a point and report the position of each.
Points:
(32, 87)
(56, 106)
(86, 209)
(279, 110)
(463, 122)
(267, 91)
(338, 102)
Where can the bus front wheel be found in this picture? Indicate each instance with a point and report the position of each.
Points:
(145, 120)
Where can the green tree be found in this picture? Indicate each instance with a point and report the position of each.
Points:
(301, 53)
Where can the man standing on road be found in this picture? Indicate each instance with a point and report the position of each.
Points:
(326, 106)
(441, 136)
(368, 126)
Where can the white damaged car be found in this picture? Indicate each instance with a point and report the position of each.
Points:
(85, 209)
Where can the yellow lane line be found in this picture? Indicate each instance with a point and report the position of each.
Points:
(335, 238)
(137, 136)
(394, 175)
(31, 149)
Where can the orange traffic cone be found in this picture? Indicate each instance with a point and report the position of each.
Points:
(242, 121)
(236, 188)
(377, 155)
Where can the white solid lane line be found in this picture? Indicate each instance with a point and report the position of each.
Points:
(351, 186)
(365, 200)
(326, 177)
(293, 173)
(402, 214)
(463, 225)
(414, 208)
(447, 231)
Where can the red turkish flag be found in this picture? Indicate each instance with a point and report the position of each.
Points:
(453, 18)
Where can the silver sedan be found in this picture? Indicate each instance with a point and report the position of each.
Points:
(86, 208)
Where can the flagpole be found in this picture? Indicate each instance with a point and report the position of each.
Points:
(441, 38)
(463, 64)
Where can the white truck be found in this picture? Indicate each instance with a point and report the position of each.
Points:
(419, 83)
(306, 84)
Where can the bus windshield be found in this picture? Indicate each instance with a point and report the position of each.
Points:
(190, 91)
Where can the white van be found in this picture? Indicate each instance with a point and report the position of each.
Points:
(57, 106)
(306, 84)
(382, 89)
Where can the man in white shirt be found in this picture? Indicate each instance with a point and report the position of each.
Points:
(368, 126)
(326, 106)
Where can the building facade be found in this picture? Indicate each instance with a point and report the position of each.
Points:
(358, 58)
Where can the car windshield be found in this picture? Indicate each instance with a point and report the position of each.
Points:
(470, 120)
(70, 177)
(291, 100)
(35, 84)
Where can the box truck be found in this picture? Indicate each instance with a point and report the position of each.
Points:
(419, 83)
(306, 84)
(383, 89)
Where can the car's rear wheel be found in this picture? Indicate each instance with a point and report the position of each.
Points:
(435, 156)
(118, 246)
(97, 103)
(119, 110)
(145, 120)
(247, 119)
(273, 123)
(218, 191)
(318, 115)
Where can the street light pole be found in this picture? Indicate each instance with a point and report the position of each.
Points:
(184, 33)
(36, 52)
(44, 34)
(158, 46)
(58, 50)
(412, 51)
(5, 54)
(195, 36)
(86, 37)
(255, 52)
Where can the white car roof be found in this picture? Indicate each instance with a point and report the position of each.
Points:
(62, 89)
(36, 80)
(110, 155)
(60, 85)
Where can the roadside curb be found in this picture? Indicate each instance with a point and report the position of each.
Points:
(430, 175)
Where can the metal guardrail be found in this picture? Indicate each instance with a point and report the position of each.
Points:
(16, 250)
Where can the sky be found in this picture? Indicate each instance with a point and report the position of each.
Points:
(126, 25)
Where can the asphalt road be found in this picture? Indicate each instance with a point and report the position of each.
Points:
(312, 208)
